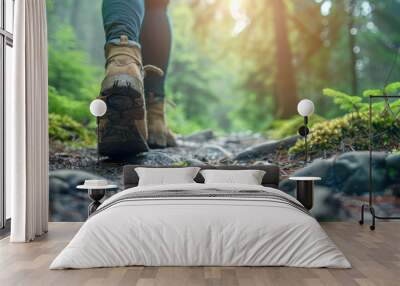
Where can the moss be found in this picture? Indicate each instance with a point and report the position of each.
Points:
(351, 131)
(287, 127)
(64, 129)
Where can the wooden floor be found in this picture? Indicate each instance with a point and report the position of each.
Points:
(375, 257)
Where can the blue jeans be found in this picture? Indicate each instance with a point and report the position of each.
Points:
(145, 22)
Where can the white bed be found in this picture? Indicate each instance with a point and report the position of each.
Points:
(202, 231)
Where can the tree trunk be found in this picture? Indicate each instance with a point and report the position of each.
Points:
(286, 98)
(352, 45)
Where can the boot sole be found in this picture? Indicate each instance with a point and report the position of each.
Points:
(154, 145)
(129, 142)
(123, 149)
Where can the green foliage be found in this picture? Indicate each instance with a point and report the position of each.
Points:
(287, 127)
(351, 132)
(349, 103)
(352, 128)
(63, 105)
(73, 83)
(252, 112)
(194, 78)
(372, 92)
(69, 71)
(181, 164)
(392, 88)
(223, 67)
(69, 132)
(328, 135)
(179, 123)
(344, 101)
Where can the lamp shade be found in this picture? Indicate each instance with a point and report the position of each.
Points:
(305, 107)
(98, 107)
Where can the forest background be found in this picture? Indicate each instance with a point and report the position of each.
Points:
(236, 65)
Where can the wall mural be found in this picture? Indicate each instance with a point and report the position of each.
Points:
(222, 83)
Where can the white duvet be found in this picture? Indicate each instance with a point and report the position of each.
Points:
(200, 231)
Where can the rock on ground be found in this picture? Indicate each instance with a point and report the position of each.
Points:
(345, 179)
(69, 166)
(264, 149)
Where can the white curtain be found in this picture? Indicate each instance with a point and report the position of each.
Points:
(27, 126)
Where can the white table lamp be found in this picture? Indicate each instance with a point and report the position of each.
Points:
(305, 108)
(98, 108)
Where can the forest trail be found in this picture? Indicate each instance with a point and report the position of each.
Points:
(70, 167)
(199, 148)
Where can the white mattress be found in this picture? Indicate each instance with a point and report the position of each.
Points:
(200, 231)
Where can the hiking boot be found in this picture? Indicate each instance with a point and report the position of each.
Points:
(123, 129)
(160, 136)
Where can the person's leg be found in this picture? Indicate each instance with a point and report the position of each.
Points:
(123, 129)
(122, 18)
(155, 40)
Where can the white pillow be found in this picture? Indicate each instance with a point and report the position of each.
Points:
(247, 177)
(166, 176)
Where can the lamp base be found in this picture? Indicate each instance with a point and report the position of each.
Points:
(303, 131)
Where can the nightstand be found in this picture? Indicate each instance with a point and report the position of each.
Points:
(305, 190)
(96, 193)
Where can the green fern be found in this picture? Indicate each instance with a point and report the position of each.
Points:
(345, 101)
(372, 92)
(392, 88)
(349, 103)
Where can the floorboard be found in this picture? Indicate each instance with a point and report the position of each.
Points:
(375, 257)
